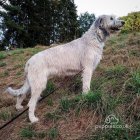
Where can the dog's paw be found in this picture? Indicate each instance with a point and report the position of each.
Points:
(19, 107)
(34, 120)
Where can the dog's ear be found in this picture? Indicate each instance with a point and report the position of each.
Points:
(99, 22)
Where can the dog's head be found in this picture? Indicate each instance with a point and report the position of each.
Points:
(109, 23)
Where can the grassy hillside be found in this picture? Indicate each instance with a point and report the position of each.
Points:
(66, 115)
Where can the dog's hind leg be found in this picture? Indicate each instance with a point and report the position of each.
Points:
(37, 86)
(20, 99)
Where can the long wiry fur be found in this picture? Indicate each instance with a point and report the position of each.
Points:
(83, 54)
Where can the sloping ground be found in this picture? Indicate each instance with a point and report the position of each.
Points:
(66, 115)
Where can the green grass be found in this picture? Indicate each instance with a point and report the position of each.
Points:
(132, 41)
(53, 133)
(17, 52)
(27, 132)
(133, 83)
(116, 72)
(92, 97)
(53, 116)
(18, 66)
(41, 135)
(134, 53)
(65, 104)
(113, 41)
(35, 50)
(50, 87)
(30, 133)
(97, 83)
(2, 55)
(90, 100)
(19, 73)
(4, 74)
(77, 87)
(111, 102)
(136, 81)
(50, 102)
(2, 64)
(5, 115)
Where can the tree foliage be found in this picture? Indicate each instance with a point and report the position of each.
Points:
(27, 23)
(132, 22)
(85, 20)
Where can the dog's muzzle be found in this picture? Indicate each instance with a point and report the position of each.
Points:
(118, 25)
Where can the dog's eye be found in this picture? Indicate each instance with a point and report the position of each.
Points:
(111, 18)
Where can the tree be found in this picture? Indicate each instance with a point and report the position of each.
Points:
(65, 21)
(27, 23)
(15, 23)
(85, 20)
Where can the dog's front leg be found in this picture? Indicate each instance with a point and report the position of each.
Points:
(86, 75)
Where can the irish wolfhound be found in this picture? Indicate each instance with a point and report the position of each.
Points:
(84, 54)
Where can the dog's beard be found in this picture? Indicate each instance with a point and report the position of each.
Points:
(115, 28)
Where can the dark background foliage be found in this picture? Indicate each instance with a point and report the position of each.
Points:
(27, 23)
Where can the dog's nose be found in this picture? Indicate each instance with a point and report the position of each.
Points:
(123, 22)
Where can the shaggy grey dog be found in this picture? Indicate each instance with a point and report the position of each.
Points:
(83, 54)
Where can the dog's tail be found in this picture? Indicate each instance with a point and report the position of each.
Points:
(23, 90)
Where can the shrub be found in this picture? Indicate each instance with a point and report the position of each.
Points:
(132, 22)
